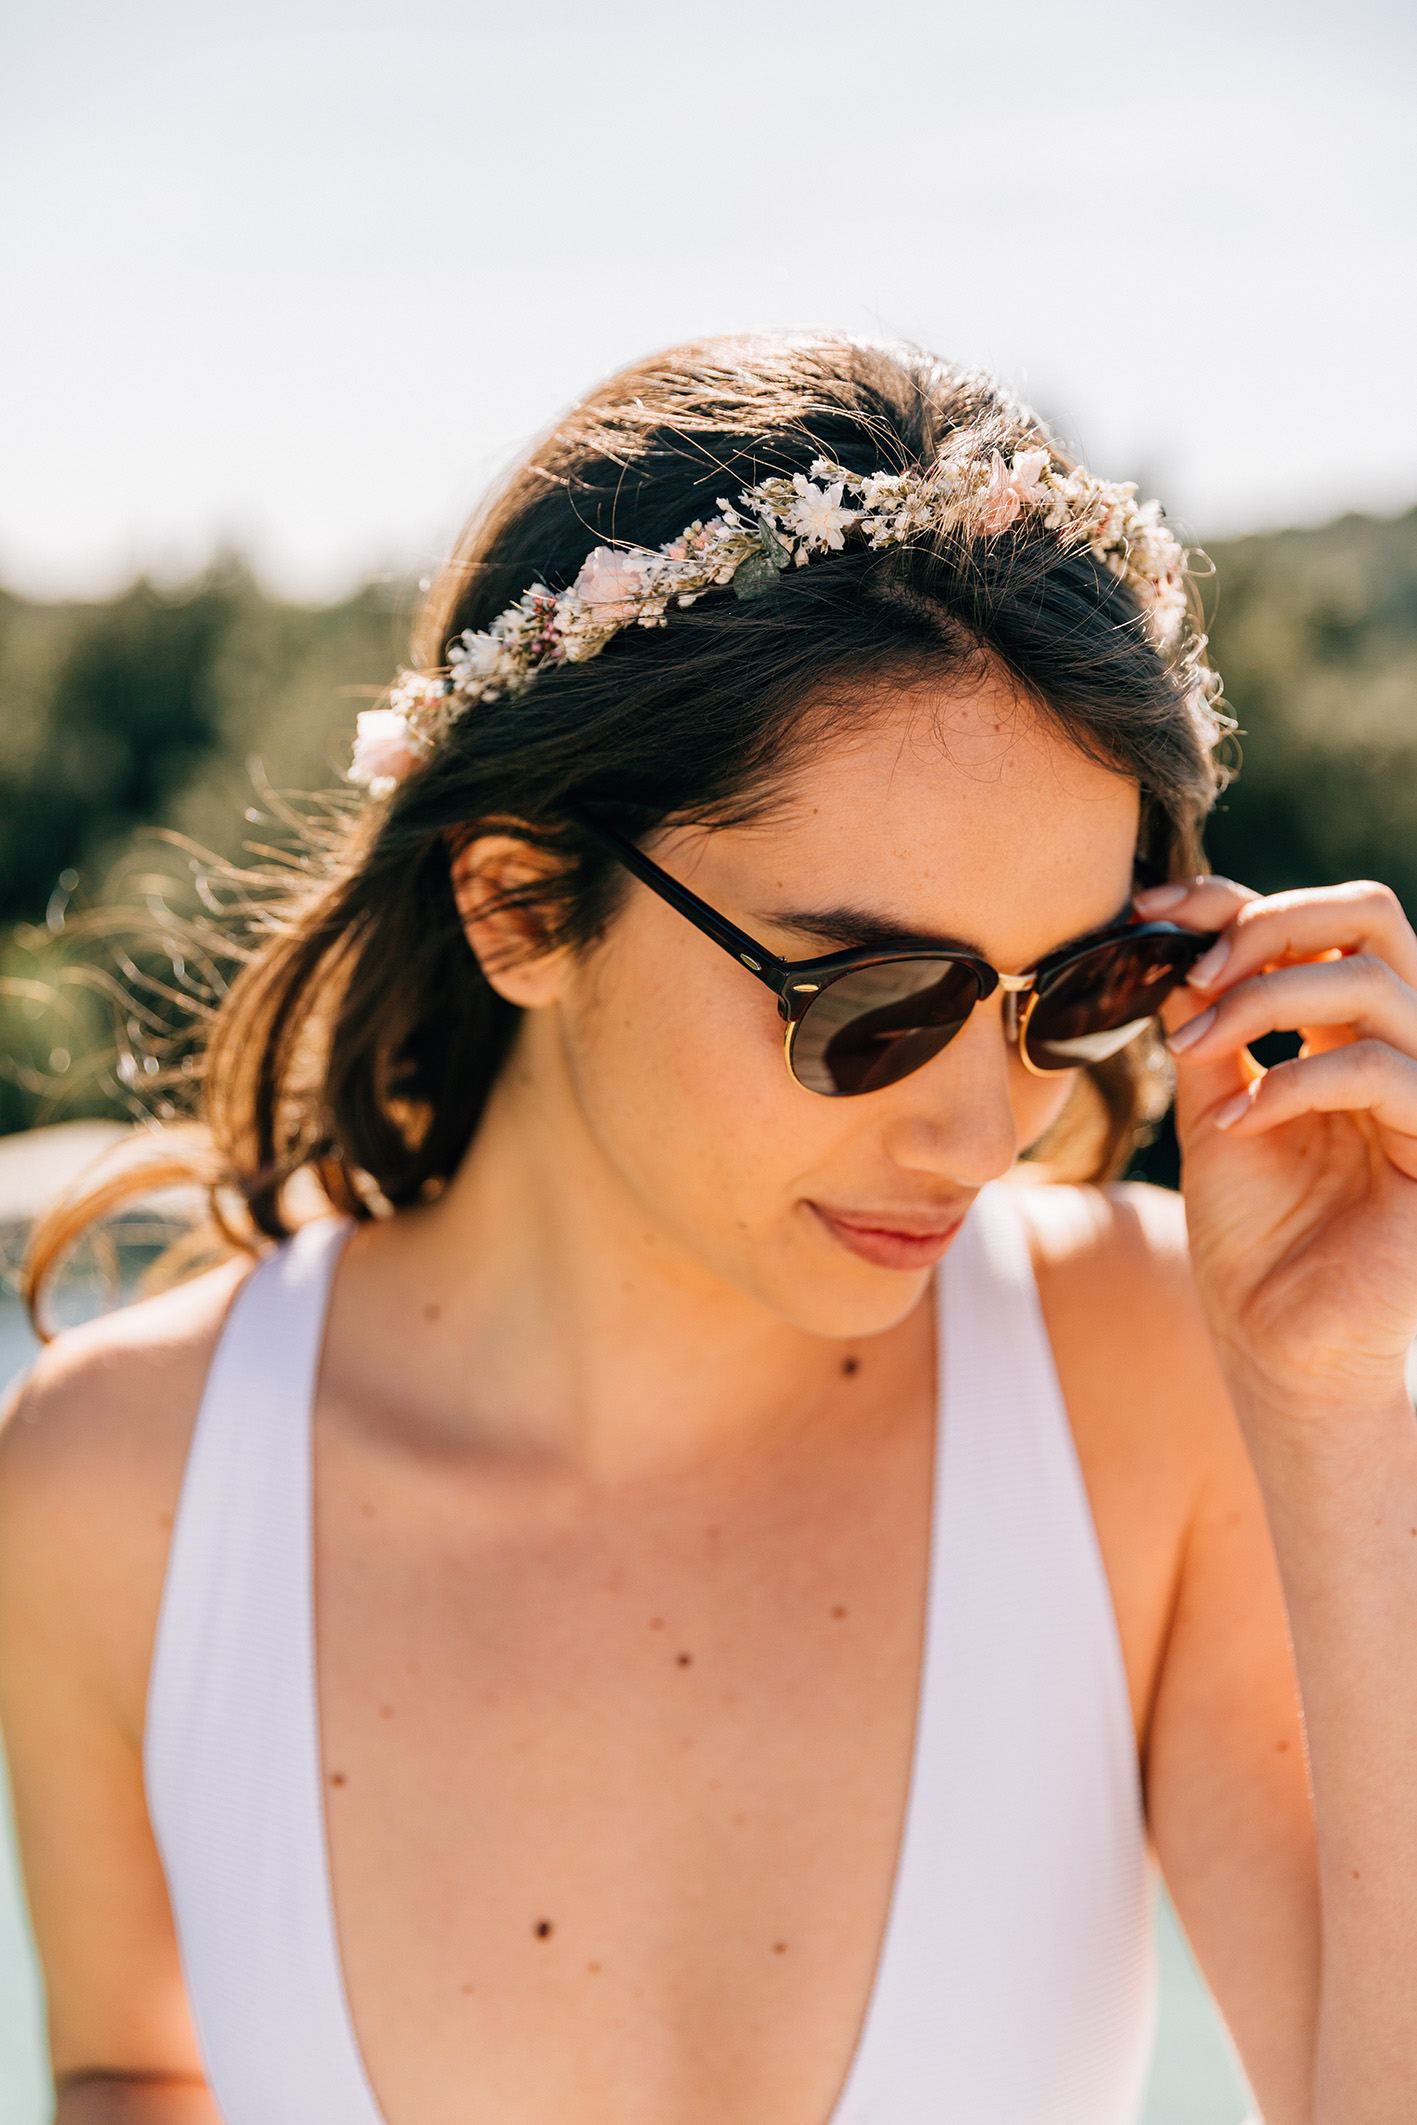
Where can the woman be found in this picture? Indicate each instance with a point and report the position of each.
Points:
(771, 1575)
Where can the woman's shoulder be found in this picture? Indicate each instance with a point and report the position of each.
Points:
(1129, 1230)
(93, 1442)
(1120, 1300)
(121, 1384)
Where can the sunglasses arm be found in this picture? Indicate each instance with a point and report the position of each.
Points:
(772, 972)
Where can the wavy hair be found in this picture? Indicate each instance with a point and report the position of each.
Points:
(359, 1042)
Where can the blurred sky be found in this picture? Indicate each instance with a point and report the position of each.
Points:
(298, 275)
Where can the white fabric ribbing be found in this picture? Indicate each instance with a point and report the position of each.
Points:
(232, 1747)
(1015, 1983)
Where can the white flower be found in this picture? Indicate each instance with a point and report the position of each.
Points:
(611, 584)
(474, 657)
(414, 693)
(817, 515)
(385, 750)
(1167, 610)
(884, 490)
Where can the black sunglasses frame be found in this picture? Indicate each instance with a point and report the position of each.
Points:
(797, 983)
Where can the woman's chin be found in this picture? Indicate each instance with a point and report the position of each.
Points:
(826, 1287)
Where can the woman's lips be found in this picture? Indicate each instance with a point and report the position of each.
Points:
(888, 1245)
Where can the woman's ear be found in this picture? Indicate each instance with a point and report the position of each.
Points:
(509, 940)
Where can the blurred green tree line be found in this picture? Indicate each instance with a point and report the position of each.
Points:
(172, 708)
(157, 708)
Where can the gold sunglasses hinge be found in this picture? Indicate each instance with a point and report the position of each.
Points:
(1016, 1015)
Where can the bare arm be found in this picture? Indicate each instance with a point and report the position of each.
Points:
(1227, 1786)
(113, 2099)
(1201, 1612)
(1302, 1196)
(91, 1459)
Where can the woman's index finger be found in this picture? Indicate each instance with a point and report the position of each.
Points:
(1207, 903)
(1321, 922)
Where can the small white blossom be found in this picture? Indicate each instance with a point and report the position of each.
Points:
(1167, 610)
(817, 515)
(477, 656)
(885, 490)
(413, 696)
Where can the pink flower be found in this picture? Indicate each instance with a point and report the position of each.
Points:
(384, 751)
(999, 503)
(610, 583)
(1026, 475)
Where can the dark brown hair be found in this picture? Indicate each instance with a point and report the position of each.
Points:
(360, 1040)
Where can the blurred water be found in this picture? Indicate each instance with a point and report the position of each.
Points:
(1194, 2080)
(24, 2075)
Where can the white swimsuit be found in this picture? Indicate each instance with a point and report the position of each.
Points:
(1015, 1983)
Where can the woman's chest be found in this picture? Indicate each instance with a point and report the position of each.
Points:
(614, 1782)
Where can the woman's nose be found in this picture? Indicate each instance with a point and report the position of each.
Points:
(955, 1116)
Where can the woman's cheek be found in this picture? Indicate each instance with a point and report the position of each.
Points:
(680, 1069)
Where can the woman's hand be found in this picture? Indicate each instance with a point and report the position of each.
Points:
(1301, 1195)
(1301, 1181)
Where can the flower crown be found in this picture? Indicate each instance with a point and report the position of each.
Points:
(778, 523)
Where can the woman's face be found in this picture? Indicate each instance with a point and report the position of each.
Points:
(955, 818)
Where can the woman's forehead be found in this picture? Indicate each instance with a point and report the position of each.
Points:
(984, 770)
(948, 815)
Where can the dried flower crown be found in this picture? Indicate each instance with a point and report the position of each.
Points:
(782, 522)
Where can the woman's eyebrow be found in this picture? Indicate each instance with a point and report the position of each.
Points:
(853, 930)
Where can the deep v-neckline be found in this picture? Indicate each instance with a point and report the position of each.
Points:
(1014, 1981)
(838, 2114)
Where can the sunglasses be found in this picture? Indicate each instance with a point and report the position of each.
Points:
(858, 1021)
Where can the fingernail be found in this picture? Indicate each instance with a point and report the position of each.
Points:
(1223, 1117)
(1207, 970)
(1193, 1030)
(1155, 899)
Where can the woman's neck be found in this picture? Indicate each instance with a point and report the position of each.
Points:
(549, 1309)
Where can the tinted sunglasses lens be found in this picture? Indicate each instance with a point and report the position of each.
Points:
(875, 1025)
(1099, 1001)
